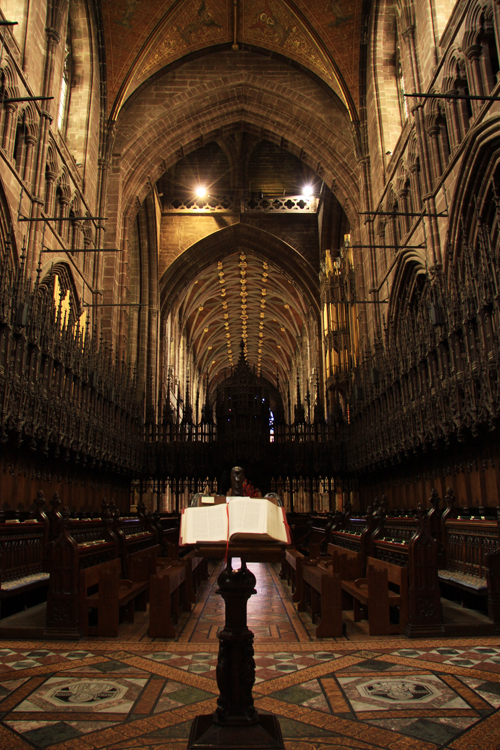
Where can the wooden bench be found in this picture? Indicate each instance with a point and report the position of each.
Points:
(113, 593)
(142, 565)
(133, 536)
(354, 534)
(316, 536)
(22, 559)
(168, 532)
(419, 557)
(322, 595)
(467, 544)
(292, 572)
(373, 592)
(23, 551)
(345, 561)
(167, 595)
(95, 545)
(196, 572)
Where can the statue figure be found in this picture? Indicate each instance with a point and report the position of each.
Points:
(237, 479)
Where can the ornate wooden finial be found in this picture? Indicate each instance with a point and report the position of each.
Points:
(105, 510)
(39, 500)
(434, 499)
(450, 498)
(56, 502)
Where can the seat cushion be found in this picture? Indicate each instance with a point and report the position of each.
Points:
(476, 585)
(20, 582)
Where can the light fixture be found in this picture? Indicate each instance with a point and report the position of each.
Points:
(307, 191)
(201, 191)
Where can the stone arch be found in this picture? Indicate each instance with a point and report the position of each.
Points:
(8, 250)
(66, 281)
(309, 53)
(242, 101)
(477, 168)
(386, 40)
(455, 81)
(83, 79)
(410, 272)
(51, 173)
(184, 269)
(437, 129)
(480, 49)
(414, 169)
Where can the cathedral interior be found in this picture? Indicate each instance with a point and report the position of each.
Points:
(257, 233)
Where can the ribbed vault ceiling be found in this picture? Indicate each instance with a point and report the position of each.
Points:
(243, 297)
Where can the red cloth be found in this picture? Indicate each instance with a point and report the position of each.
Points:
(249, 490)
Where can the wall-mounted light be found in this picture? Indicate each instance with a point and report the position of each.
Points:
(200, 191)
(307, 191)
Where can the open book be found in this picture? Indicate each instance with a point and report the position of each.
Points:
(242, 518)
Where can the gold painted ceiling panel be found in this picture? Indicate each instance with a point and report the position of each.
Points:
(142, 36)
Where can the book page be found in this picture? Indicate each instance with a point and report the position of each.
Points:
(247, 515)
(275, 524)
(208, 524)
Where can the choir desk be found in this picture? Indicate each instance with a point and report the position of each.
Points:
(235, 723)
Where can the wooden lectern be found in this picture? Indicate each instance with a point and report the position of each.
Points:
(236, 724)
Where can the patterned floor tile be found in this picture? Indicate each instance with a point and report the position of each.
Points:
(51, 733)
(66, 694)
(439, 731)
(490, 691)
(308, 694)
(398, 693)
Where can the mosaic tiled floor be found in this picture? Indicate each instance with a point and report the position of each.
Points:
(366, 694)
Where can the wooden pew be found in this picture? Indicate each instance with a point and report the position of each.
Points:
(168, 525)
(113, 593)
(314, 543)
(373, 592)
(348, 562)
(133, 536)
(317, 534)
(322, 595)
(23, 553)
(80, 545)
(292, 572)
(355, 535)
(196, 572)
(167, 595)
(395, 528)
(467, 544)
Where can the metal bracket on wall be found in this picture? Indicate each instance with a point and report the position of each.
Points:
(402, 213)
(474, 97)
(89, 250)
(388, 247)
(27, 99)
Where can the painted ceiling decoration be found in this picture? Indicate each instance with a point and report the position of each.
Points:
(243, 298)
(322, 36)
